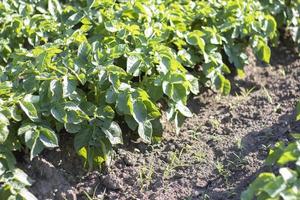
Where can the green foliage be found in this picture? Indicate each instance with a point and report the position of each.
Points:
(285, 184)
(13, 180)
(85, 67)
(298, 111)
(286, 14)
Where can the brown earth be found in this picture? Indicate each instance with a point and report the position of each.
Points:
(219, 151)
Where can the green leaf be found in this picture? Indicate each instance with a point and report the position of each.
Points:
(4, 132)
(105, 113)
(51, 8)
(262, 50)
(90, 3)
(106, 152)
(74, 19)
(88, 107)
(30, 84)
(111, 26)
(15, 113)
(4, 122)
(54, 7)
(194, 38)
(21, 177)
(111, 95)
(275, 187)
(179, 119)
(26, 127)
(124, 103)
(298, 111)
(30, 136)
(72, 128)
(2, 169)
(153, 111)
(145, 131)
(68, 87)
(183, 109)
(113, 133)
(139, 112)
(56, 90)
(222, 84)
(44, 56)
(32, 141)
(286, 157)
(257, 185)
(227, 87)
(289, 194)
(133, 65)
(275, 153)
(132, 124)
(36, 148)
(10, 160)
(29, 110)
(290, 153)
(157, 130)
(288, 175)
(59, 113)
(179, 93)
(270, 26)
(83, 51)
(154, 91)
(237, 56)
(194, 84)
(5, 87)
(82, 138)
(165, 64)
(48, 137)
(34, 99)
(118, 50)
(74, 117)
(24, 193)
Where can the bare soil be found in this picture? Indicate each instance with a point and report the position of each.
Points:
(219, 151)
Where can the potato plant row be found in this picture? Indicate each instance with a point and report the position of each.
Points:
(284, 182)
(96, 68)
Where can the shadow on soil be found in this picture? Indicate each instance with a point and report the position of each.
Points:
(255, 142)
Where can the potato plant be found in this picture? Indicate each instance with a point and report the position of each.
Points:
(286, 13)
(285, 182)
(92, 68)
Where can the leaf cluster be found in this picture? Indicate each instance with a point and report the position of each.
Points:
(95, 68)
(286, 14)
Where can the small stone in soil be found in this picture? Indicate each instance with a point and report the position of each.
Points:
(112, 182)
(197, 193)
(201, 183)
(128, 160)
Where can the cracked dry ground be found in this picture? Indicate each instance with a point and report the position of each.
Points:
(218, 152)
